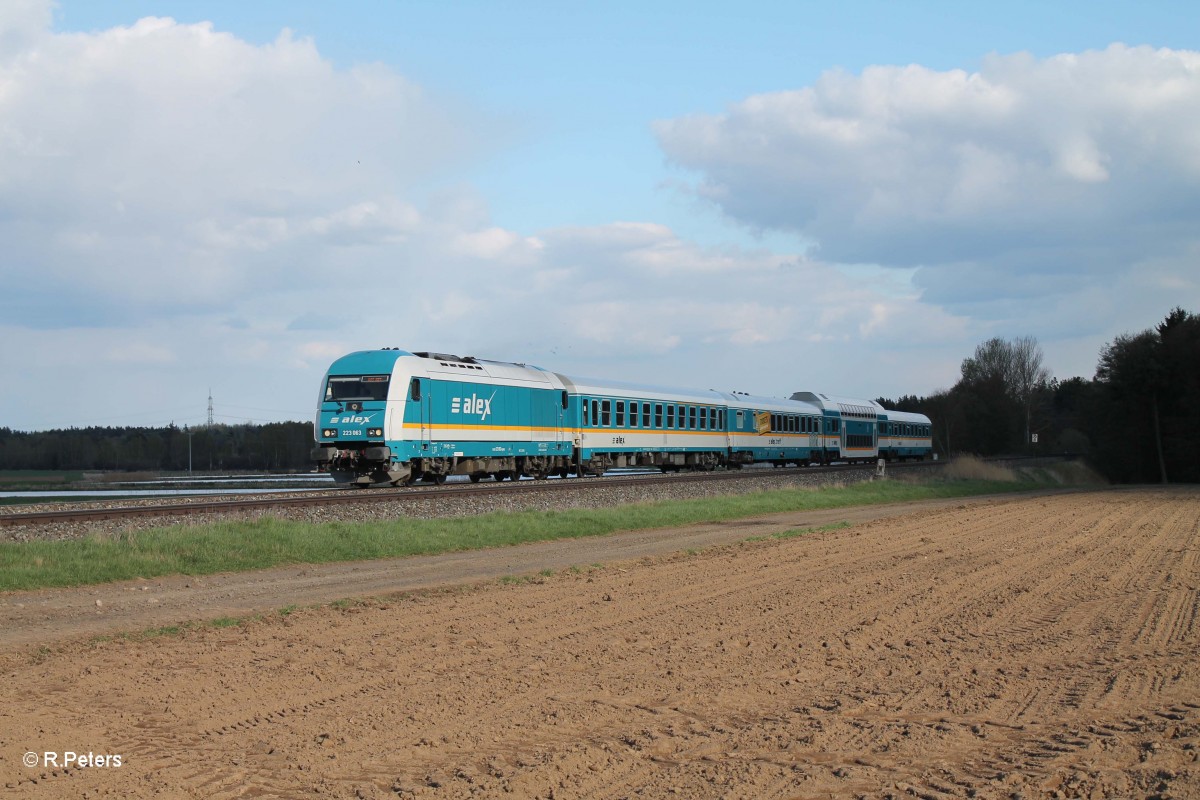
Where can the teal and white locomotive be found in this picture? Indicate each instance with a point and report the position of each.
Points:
(393, 417)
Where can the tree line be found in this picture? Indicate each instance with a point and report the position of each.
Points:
(1136, 421)
(282, 446)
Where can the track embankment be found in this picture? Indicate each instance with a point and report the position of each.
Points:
(1022, 647)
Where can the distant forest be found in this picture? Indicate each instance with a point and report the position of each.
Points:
(1136, 421)
(277, 446)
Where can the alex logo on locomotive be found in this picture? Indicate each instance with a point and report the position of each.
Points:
(350, 420)
(472, 405)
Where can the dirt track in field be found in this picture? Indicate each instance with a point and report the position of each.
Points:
(1028, 647)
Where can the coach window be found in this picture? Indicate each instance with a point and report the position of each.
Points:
(620, 413)
(645, 415)
(595, 413)
(670, 416)
(606, 413)
(633, 415)
(692, 416)
(658, 415)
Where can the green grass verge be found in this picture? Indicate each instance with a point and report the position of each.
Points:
(258, 544)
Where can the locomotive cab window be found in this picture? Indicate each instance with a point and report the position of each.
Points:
(357, 387)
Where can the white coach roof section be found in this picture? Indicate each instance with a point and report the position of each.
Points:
(846, 406)
(755, 402)
(907, 416)
(597, 386)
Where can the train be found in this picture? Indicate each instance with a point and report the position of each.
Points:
(393, 417)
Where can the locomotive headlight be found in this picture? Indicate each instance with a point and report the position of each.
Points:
(329, 433)
(375, 432)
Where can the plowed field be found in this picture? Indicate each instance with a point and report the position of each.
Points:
(1029, 647)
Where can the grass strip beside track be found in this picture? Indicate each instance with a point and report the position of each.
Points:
(238, 546)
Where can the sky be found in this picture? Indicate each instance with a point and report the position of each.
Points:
(220, 198)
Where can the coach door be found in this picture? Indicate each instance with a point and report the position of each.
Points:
(419, 395)
(562, 417)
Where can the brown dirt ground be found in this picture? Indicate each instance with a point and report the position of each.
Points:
(1023, 647)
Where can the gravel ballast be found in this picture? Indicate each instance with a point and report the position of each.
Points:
(426, 505)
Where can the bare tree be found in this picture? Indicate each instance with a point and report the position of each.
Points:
(1016, 365)
(1027, 374)
(992, 359)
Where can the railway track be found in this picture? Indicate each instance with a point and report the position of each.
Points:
(235, 504)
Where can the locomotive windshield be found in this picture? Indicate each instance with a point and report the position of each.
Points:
(357, 387)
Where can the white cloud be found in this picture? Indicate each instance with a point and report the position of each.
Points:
(1068, 166)
(143, 159)
(143, 353)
